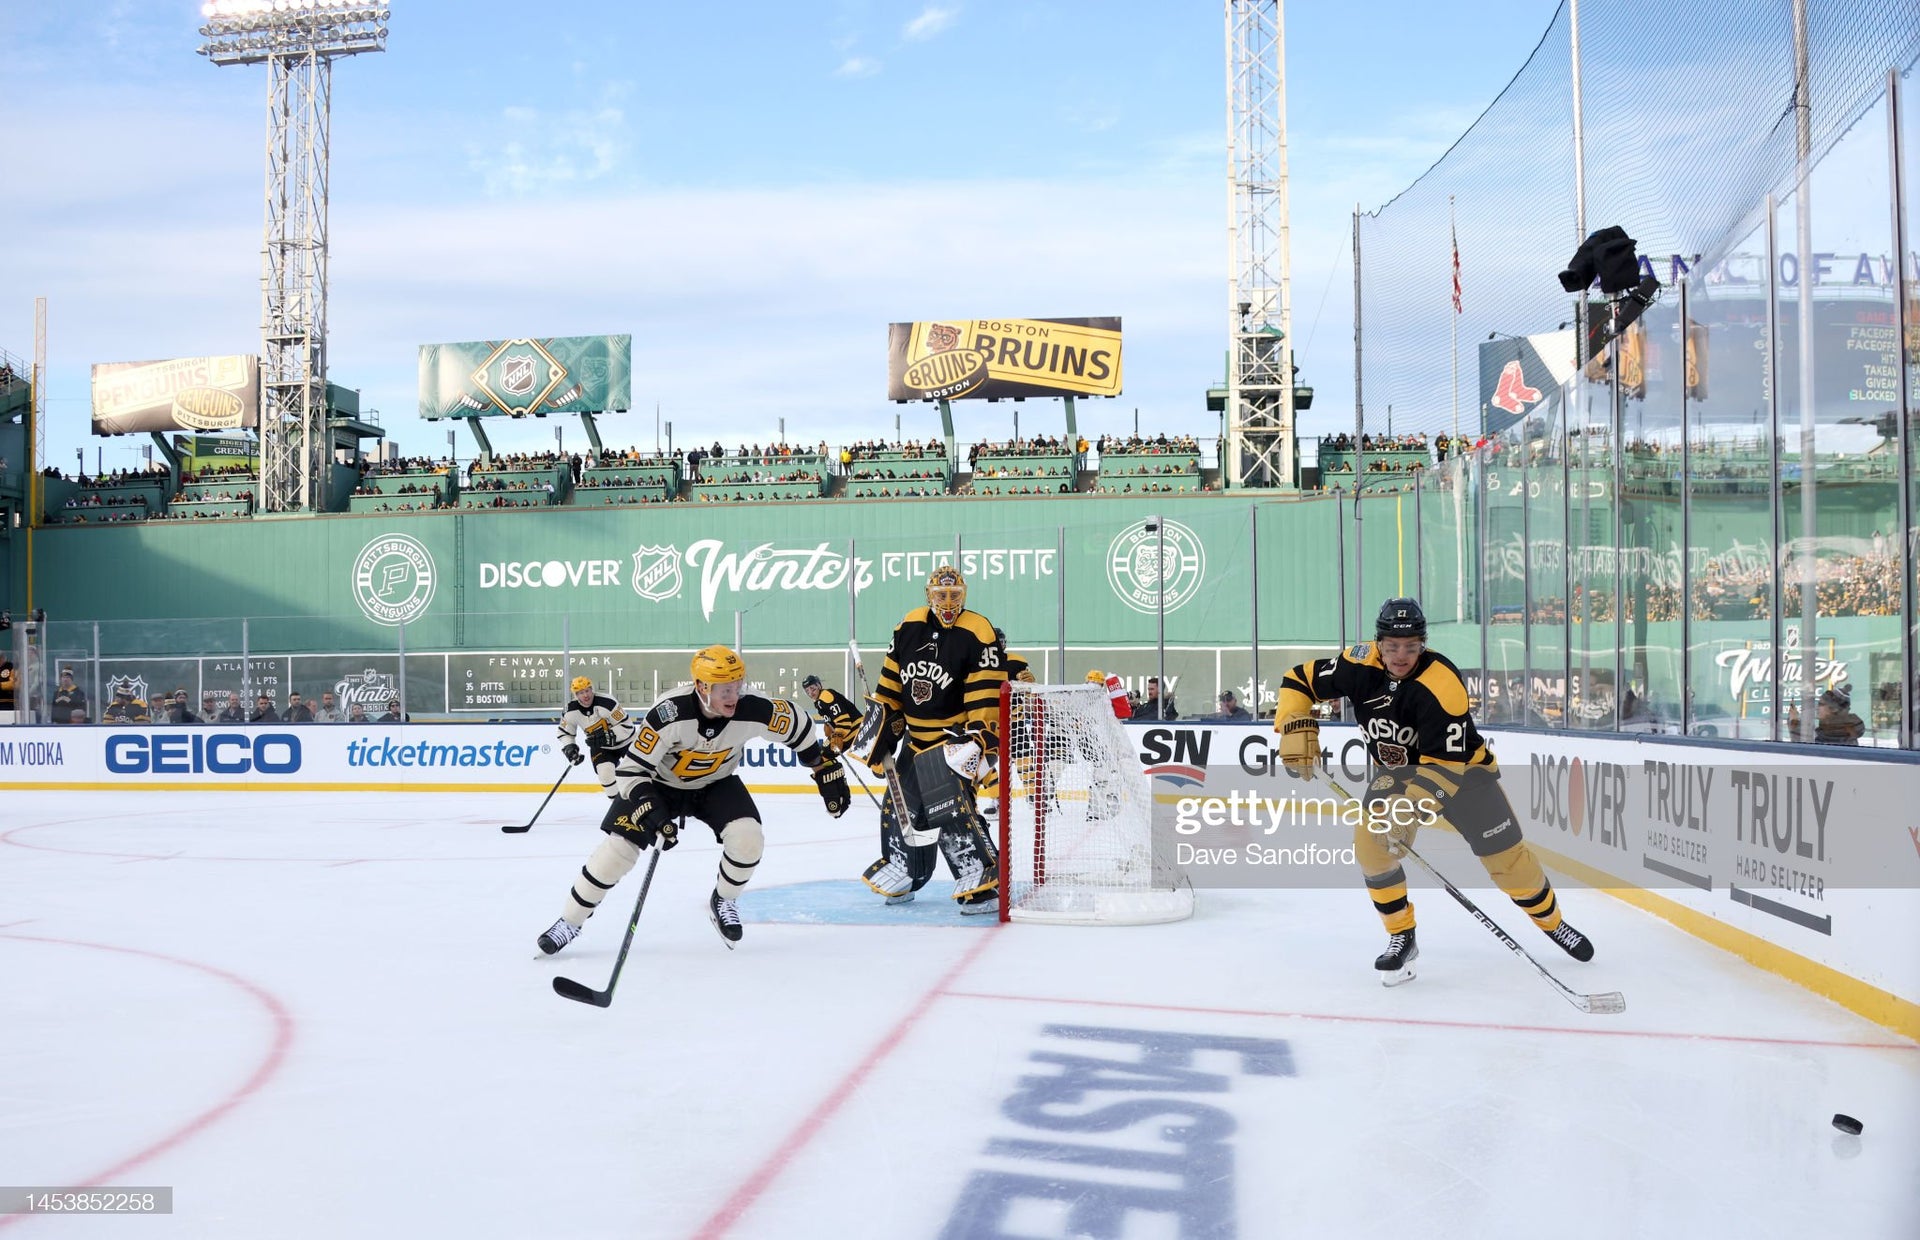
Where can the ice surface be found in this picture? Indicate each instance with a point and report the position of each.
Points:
(323, 1015)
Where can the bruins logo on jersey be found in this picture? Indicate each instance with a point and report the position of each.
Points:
(922, 692)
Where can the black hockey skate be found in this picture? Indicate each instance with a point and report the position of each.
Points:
(725, 916)
(558, 935)
(1396, 963)
(1574, 943)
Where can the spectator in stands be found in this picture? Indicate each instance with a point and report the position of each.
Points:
(1230, 709)
(209, 706)
(234, 712)
(329, 709)
(263, 711)
(69, 699)
(125, 707)
(8, 683)
(394, 713)
(297, 709)
(1157, 707)
(356, 713)
(1834, 722)
(76, 716)
(179, 708)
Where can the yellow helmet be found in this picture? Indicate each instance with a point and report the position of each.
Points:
(581, 683)
(1096, 678)
(946, 593)
(718, 665)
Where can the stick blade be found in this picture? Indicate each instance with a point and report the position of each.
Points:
(517, 830)
(567, 988)
(1612, 1003)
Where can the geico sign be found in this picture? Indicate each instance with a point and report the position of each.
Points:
(548, 574)
(221, 753)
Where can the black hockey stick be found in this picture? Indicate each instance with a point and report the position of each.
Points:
(567, 988)
(1609, 1003)
(528, 825)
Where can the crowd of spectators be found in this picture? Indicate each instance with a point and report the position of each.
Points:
(69, 705)
(1135, 444)
(874, 449)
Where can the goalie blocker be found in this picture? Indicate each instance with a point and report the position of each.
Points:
(1076, 815)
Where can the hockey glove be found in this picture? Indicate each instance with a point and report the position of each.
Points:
(831, 778)
(1300, 746)
(643, 817)
(572, 752)
(962, 753)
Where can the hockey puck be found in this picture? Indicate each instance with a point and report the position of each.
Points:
(1848, 1124)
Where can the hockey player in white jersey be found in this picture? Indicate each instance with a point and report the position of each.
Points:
(681, 764)
(597, 721)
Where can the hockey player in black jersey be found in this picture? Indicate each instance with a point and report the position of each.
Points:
(599, 722)
(839, 717)
(1429, 763)
(934, 717)
(681, 764)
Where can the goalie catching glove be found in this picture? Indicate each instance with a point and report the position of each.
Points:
(963, 753)
(831, 778)
(571, 752)
(644, 818)
(1300, 746)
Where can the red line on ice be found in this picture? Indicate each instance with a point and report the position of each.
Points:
(1583, 1030)
(743, 1197)
(262, 1072)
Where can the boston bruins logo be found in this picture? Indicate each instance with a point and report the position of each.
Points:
(922, 692)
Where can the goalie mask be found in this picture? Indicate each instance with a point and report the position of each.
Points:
(946, 593)
(718, 675)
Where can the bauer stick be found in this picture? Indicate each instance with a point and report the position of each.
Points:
(1608, 1003)
(567, 988)
(528, 825)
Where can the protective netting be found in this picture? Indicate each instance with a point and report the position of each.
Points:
(1689, 121)
(1076, 816)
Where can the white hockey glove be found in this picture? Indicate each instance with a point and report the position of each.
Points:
(963, 754)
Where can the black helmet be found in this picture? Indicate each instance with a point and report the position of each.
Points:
(1400, 617)
(811, 682)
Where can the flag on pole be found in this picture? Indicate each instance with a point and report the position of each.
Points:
(1456, 268)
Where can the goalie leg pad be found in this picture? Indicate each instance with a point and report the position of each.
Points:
(945, 799)
(905, 864)
(976, 870)
(609, 863)
(741, 843)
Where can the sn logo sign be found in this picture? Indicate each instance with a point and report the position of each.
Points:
(1176, 754)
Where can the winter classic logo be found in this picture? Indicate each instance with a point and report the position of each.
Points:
(1136, 567)
(393, 579)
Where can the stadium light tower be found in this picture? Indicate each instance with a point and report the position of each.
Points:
(298, 41)
(1259, 409)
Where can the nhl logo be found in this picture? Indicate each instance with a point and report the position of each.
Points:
(656, 573)
(922, 692)
(133, 685)
(516, 374)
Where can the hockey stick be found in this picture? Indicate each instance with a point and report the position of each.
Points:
(895, 793)
(528, 826)
(567, 988)
(1609, 1003)
(853, 765)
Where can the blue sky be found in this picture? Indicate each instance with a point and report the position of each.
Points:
(753, 191)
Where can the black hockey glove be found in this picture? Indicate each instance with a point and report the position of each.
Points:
(643, 817)
(831, 778)
(572, 752)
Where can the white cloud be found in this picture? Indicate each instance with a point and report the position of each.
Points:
(857, 67)
(933, 20)
(535, 151)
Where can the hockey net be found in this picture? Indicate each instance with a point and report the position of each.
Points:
(1076, 815)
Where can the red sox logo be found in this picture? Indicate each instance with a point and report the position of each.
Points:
(1512, 393)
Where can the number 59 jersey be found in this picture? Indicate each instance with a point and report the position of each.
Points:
(678, 746)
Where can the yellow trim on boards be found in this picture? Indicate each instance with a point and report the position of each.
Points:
(1881, 1007)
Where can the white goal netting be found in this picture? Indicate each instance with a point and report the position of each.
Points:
(1076, 815)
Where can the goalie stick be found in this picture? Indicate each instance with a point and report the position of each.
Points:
(567, 988)
(895, 792)
(1608, 1003)
(528, 825)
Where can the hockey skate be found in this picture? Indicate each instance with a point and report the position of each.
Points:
(1396, 963)
(889, 877)
(977, 888)
(725, 916)
(558, 935)
(1574, 943)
